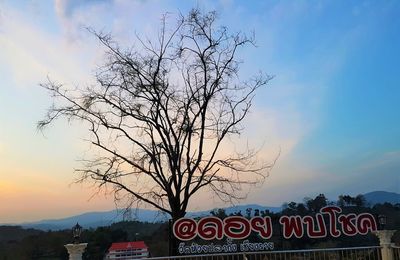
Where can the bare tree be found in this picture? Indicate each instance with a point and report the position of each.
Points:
(159, 113)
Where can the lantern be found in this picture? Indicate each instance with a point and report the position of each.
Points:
(76, 231)
(382, 220)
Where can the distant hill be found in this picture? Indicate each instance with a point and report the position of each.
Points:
(376, 197)
(97, 219)
(106, 218)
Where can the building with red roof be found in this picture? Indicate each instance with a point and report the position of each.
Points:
(128, 250)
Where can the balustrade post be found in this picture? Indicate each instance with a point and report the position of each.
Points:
(385, 241)
(75, 251)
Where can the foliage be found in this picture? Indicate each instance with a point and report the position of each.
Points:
(34, 244)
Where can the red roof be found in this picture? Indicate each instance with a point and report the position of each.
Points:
(128, 245)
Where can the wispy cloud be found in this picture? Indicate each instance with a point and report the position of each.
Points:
(280, 126)
(31, 53)
(381, 160)
(75, 15)
(306, 45)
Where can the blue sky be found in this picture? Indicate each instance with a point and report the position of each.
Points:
(332, 108)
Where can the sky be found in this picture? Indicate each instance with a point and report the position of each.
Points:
(332, 109)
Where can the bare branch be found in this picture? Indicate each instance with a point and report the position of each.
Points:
(159, 114)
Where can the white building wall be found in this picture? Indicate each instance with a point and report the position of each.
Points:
(130, 254)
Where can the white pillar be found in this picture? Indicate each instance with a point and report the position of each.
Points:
(385, 241)
(75, 251)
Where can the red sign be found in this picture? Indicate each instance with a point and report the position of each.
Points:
(327, 221)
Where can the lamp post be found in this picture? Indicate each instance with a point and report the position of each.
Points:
(76, 249)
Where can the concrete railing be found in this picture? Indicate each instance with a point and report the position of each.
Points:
(385, 251)
(373, 253)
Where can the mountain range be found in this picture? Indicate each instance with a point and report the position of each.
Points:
(96, 219)
(376, 197)
(105, 218)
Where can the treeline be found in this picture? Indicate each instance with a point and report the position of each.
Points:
(18, 243)
(311, 206)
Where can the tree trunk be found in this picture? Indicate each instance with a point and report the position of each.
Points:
(173, 241)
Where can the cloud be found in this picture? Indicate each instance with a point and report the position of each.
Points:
(379, 172)
(28, 195)
(283, 115)
(120, 17)
(24, 68)
(2, 148)
(30, 53)
(66, 8)
(385, 159)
